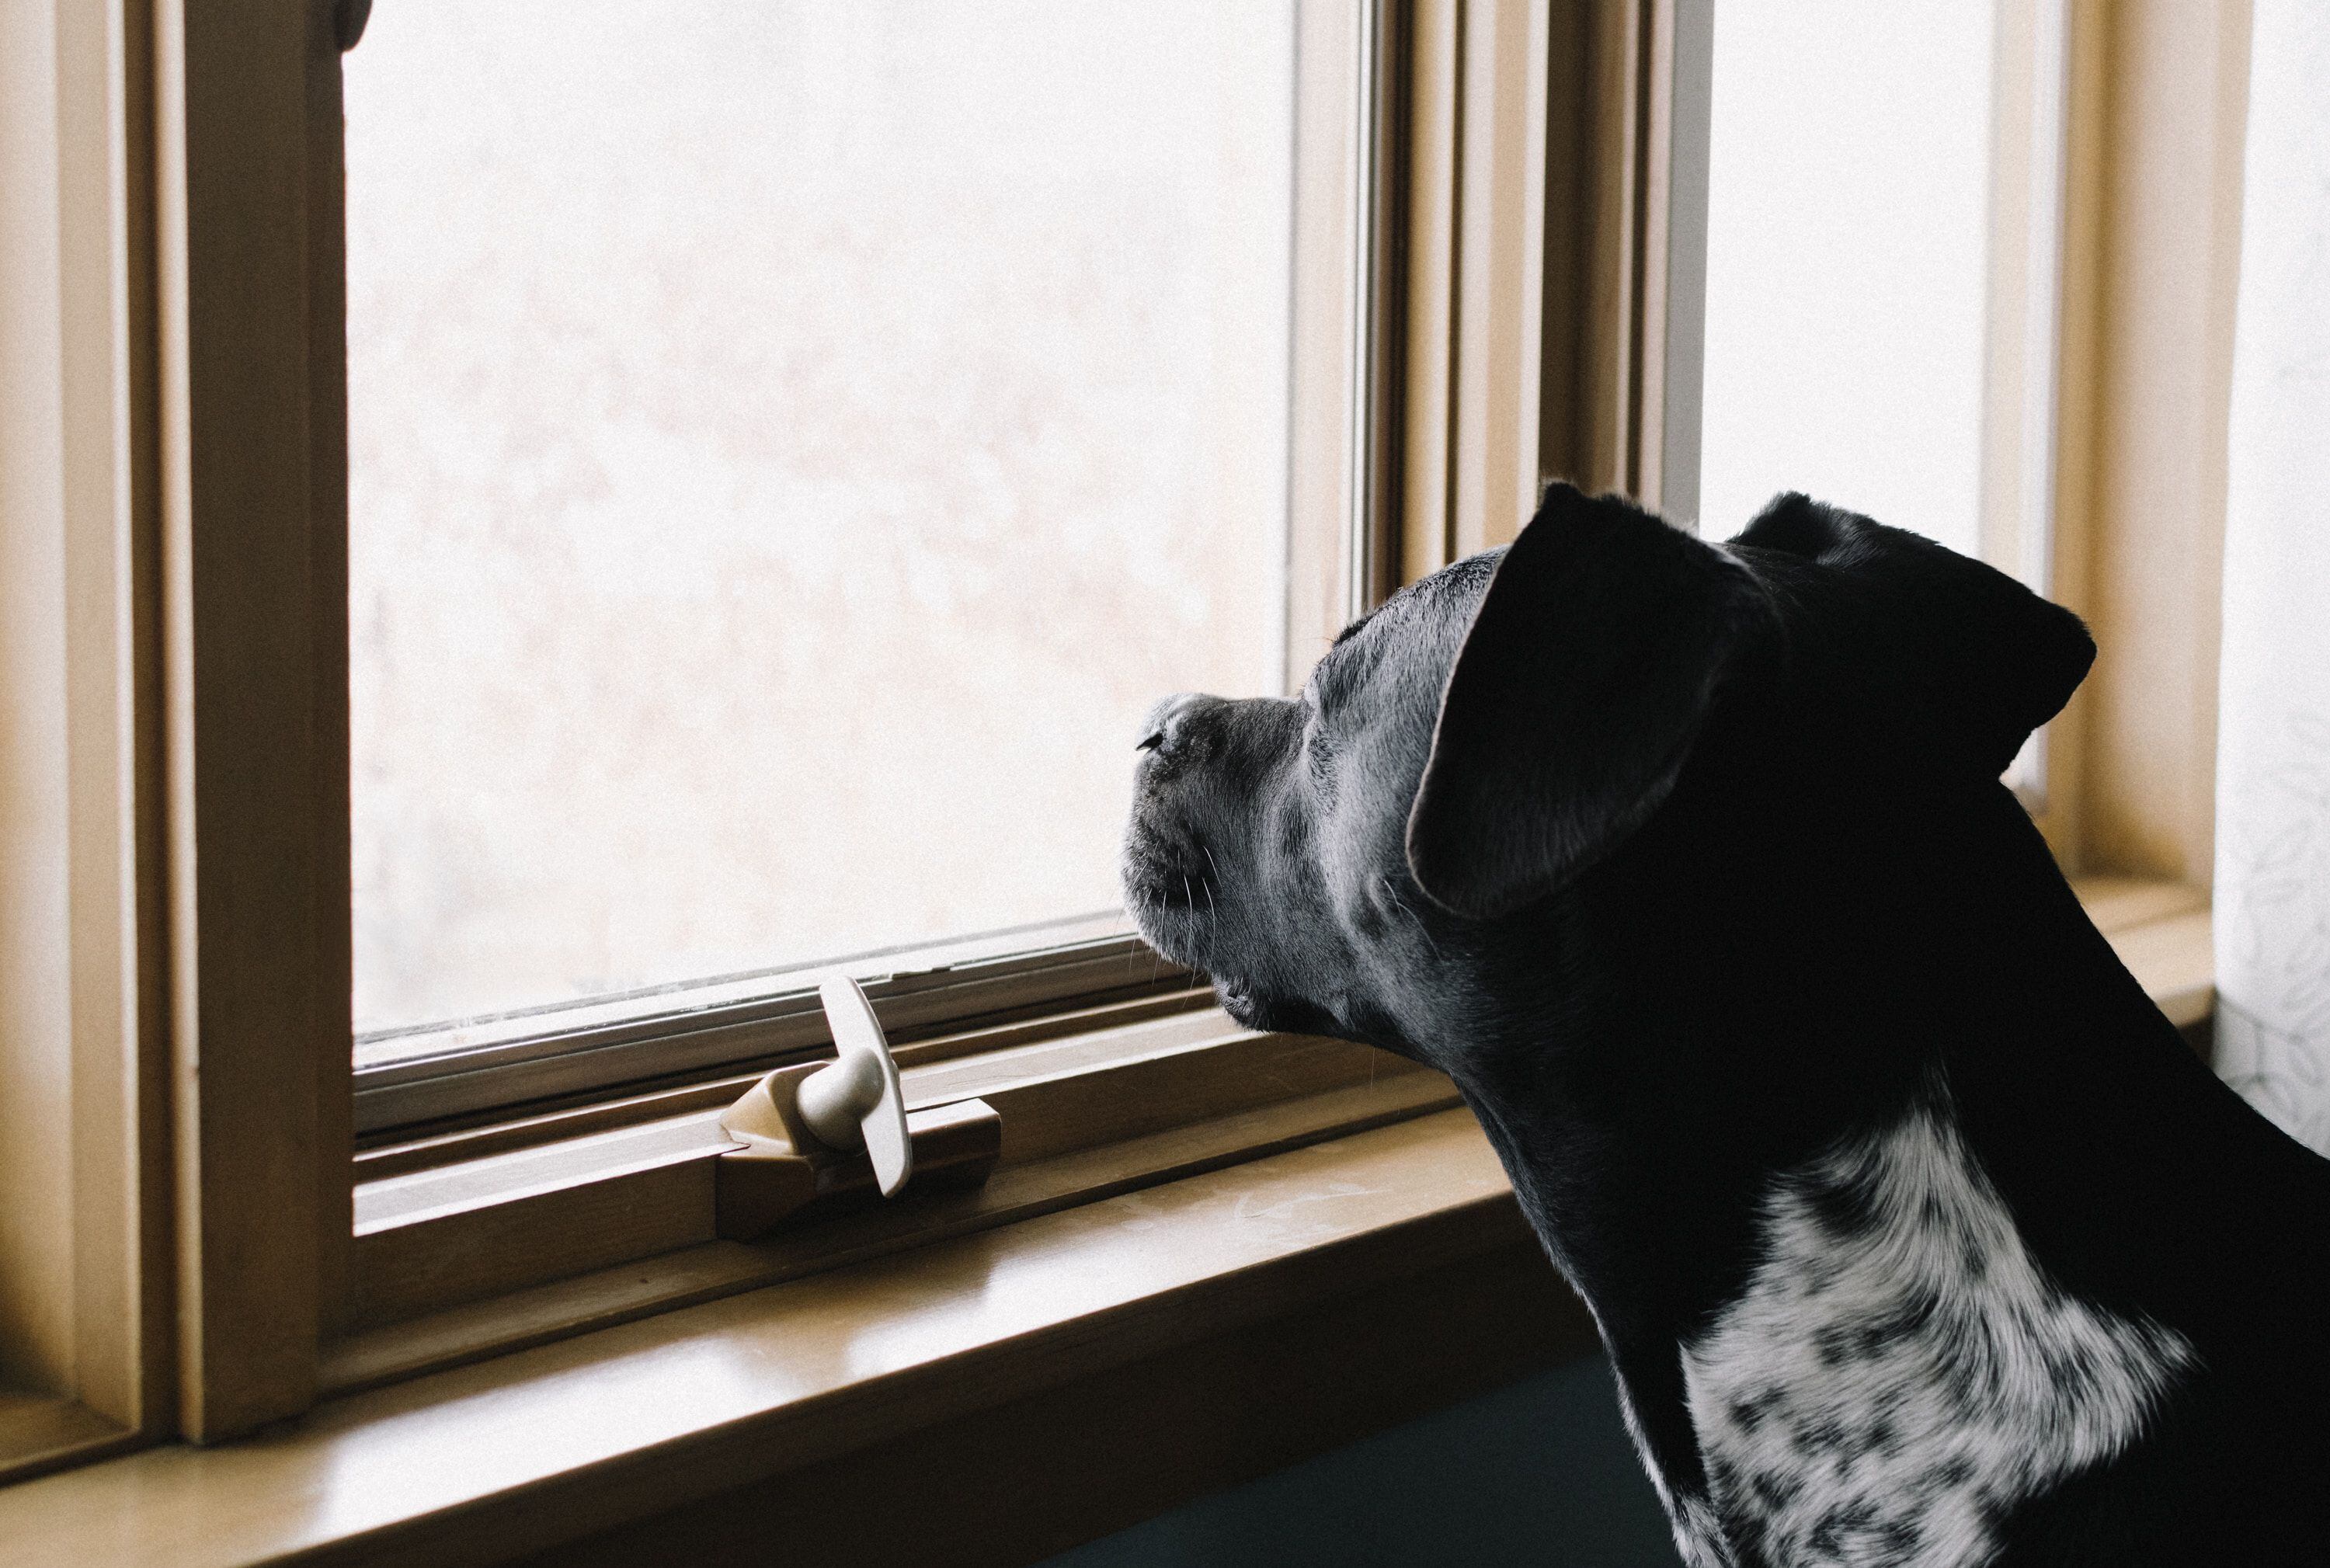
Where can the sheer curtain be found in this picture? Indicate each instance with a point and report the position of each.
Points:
(2273, 766)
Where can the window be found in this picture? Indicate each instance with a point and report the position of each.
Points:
(178, 1097)
(1884, 271)
(786, 449)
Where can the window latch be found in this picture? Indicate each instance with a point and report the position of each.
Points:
(816, 1131)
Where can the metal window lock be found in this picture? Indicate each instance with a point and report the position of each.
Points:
(822, 1130)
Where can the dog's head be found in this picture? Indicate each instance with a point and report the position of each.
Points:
(1519, 725)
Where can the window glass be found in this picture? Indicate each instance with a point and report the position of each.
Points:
(1847, 261)
(791, 446)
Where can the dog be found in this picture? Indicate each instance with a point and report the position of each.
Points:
(1915, 1234)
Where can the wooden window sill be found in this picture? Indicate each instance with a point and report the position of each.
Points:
(515, 1246)
(516, 1454)
(2161, 932)
(585, 1431)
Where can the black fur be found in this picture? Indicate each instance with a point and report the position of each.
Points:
(1700, 870)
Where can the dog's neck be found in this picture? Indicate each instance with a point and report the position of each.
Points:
(1742, 1033)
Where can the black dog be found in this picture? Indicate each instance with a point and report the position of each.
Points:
(1916, 1233)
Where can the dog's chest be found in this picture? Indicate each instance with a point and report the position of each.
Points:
(1898, 1373)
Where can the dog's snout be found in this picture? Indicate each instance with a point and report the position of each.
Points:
(1168, 724)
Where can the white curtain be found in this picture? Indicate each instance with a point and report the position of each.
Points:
(2273, 758)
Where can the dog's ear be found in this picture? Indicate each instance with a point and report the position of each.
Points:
(1574, 700)
(1958, 660)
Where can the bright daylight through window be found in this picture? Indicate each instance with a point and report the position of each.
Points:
(1884, 273)
(791, 446)
(1871, 216)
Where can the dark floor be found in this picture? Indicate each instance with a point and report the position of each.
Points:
(1541, 1473)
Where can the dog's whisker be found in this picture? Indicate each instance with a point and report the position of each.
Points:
(1415, 920)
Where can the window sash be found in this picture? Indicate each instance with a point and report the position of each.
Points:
(1338, 502)
(415, 1078)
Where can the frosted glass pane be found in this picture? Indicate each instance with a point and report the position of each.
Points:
(1848, 189)
(790, 445)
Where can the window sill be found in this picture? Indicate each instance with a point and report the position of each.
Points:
(1205, 1235)
(518, 1454)
(517, 1246)
(2161, 932)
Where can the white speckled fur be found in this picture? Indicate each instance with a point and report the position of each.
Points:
(1900, 1370)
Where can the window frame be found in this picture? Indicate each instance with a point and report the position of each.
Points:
(1458, 174)
(526, 1060)
(214, 1175)
(86, 1345)
(254, 556)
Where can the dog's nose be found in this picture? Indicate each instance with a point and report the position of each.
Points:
(1169, 722)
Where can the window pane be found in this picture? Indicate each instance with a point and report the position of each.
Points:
(790, 445)
(1847, 261)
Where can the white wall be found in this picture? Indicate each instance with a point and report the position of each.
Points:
(2273, 748)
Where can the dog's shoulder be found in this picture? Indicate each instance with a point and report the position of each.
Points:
(1899, 1372)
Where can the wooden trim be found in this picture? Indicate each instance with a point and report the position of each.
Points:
(1494, 467)
(2157, 112)
(1624, 248)
(1597, 449)
(1478, 130)
(334, 913)
(1044, 1472)
(398, 1154)
(1159, 1105)
(945, 998)
(251, 442)
(122, 1219)
(2159, 107)
(36, 1309)
(256, 849)
(2161, 931)
(1427, 539)
(83, 1240)
(704, 1271)
(42, 1433)
(2077, 340)
(660, 1412)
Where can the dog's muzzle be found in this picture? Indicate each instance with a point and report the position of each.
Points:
(1170, 878)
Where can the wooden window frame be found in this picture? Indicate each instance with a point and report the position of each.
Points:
(410, 1082)
(227, 217)
(2158, 103)
(86, 1349)
(1532, 186)
(1556, 263)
